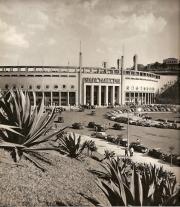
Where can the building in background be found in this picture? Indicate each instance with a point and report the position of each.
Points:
(67, 85)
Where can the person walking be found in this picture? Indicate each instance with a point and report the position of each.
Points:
(126, 152)
(131, 150)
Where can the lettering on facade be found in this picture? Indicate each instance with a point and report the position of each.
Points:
(101, 80)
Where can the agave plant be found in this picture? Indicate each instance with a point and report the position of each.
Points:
(145, 187)
(108, 155)
(71, 146)
(91, 147)
(30, 127)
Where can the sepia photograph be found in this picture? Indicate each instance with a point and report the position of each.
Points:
(89, 103)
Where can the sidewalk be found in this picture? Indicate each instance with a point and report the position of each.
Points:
(137, 157)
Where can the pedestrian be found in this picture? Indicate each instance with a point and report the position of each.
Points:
(131, 150)
(126, 152)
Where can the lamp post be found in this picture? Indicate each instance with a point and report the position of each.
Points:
(128, 129)
(138, 109)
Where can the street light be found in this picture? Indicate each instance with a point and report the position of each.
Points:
(138, 109)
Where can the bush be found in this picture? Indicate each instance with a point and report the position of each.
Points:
(71, 146)
(30, 124)
(140, 185)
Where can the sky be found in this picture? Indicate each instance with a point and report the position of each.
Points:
(48, 32)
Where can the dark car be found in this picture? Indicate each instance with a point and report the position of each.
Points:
(100, 128)
(91, 124)
(156, 153)
(121, 141)
(77, 125)
(111, 138)
(118, 127)
(138, 147)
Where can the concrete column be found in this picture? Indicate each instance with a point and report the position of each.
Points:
(113, 95)
(59, 98)
(51, 98)
(68, 98)
(129, 97)
(145, 98)
(134, 97)
(118, 95)
(84, 96)
(106, 96)
(150, 97)
(76, 97)
(99, 95)
(92, 95)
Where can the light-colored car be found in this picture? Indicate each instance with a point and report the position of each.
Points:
(101, 135)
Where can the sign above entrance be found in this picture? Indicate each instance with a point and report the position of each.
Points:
(101, 80)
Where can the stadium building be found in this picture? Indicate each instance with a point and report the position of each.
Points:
(69, 86)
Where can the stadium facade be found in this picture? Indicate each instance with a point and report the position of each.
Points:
(67, 85)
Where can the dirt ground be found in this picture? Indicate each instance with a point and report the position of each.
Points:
(150, 136)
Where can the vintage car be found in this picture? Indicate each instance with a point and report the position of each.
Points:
(138, 147)
(78, 125)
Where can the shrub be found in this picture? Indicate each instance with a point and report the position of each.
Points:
(71, 146)
(30, 127)
(143, 185)
(91, 147)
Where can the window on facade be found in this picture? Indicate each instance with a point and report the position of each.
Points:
(64, 86)
(137, 88)
(30, 87)
(127, 87)
(22, 86)
(55, 86)
(47, 86)
(38, 86)
(6, 86)
(72, 86)
(14, 86)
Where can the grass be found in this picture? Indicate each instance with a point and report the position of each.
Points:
(29, 186)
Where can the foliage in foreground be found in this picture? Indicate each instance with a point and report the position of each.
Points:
(108, 155)
(91, 147)
(30, 127)
(140, 185)
(71, 145)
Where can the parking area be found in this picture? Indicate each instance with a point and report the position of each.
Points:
(150, 136)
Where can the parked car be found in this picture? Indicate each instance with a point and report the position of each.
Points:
(111, 138)
(112, 118)
(138, 147)
(100, 128)
(91, 124)
(78, 125)
(119, 127)
(93, 112)
(101, 135)
(156, 153)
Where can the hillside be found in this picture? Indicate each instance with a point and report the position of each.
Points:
(170, 96)
(26, 185)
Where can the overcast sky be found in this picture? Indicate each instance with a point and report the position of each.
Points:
(48, 32)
